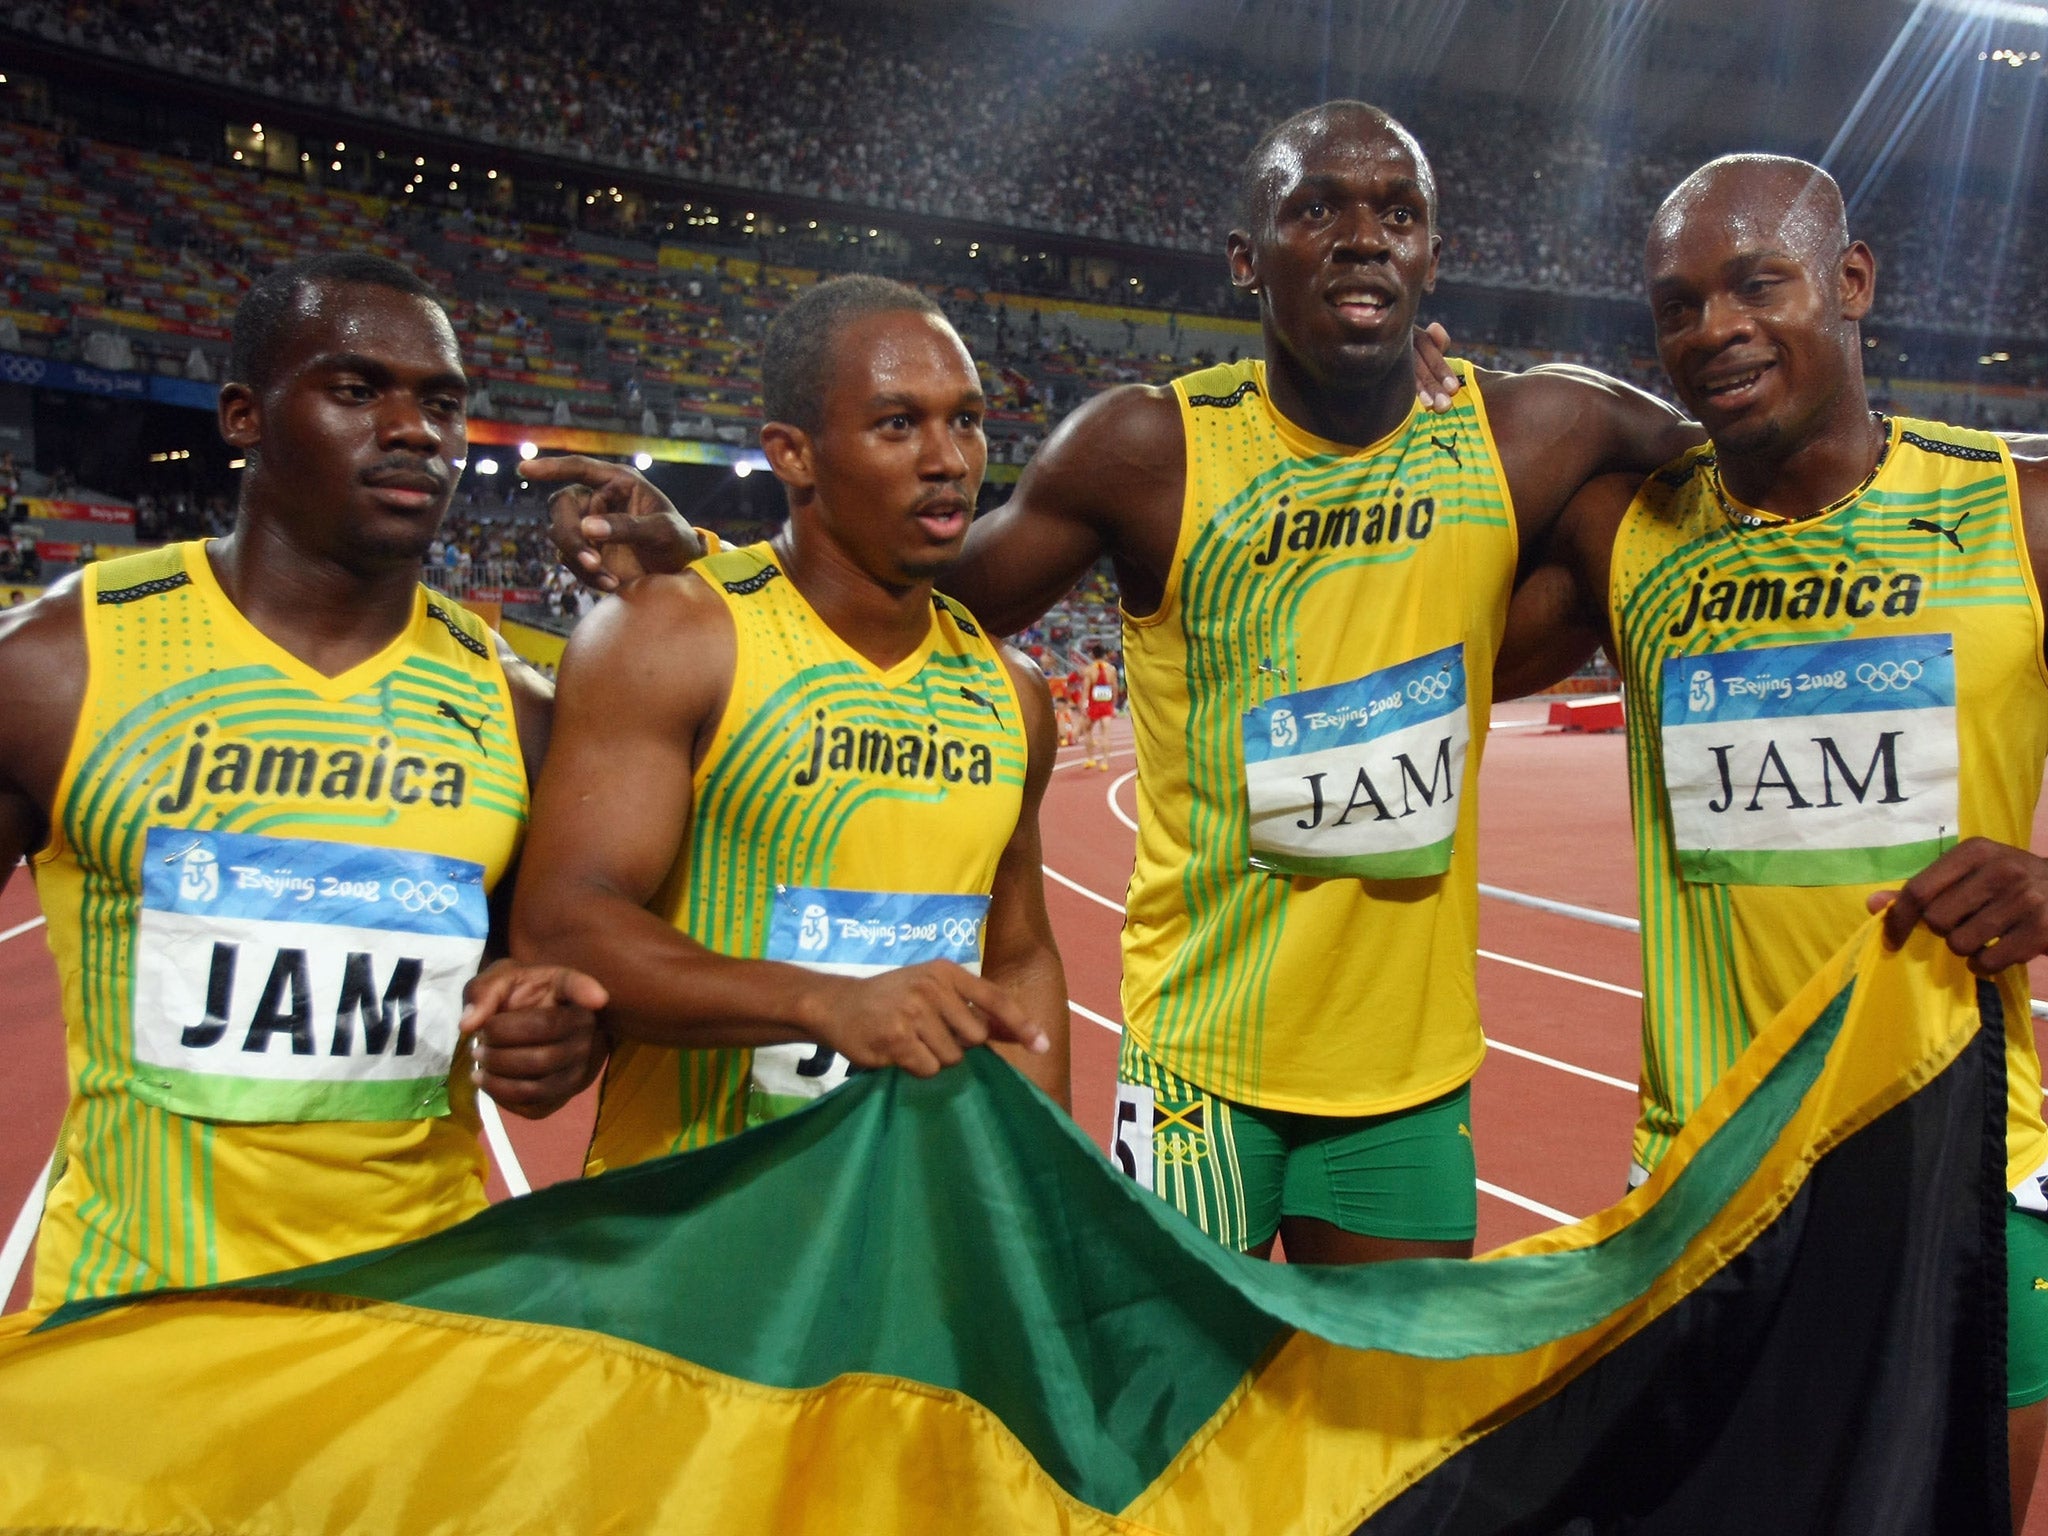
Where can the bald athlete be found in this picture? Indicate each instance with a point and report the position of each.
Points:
(1299, 991)
(1830, 626)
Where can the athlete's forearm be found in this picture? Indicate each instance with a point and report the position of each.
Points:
(665, 987)
(1038, 981)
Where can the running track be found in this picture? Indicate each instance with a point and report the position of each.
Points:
(1553, 1103)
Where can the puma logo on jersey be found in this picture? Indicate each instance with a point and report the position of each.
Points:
(1928, 525)
(1451, 449)
(450, 712)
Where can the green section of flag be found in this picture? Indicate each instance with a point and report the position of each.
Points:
(961, 1232)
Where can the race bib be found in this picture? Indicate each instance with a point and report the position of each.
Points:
(1831, 763)
(852, 933)
(1360, 778)
(1102, 693)
(283, 979)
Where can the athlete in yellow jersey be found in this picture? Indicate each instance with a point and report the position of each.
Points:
(817, 846)
(269, 784)
(1830, 628)
(1298, 983)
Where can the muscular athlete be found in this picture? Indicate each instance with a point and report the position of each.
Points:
(268, 783)
(1829, 624)
(1299, 988)
(830, 860)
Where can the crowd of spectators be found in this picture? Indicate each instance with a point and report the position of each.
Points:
(1041, 129)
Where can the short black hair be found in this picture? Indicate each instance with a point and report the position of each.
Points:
(1252, 175)
(263, 320)
(796, 362)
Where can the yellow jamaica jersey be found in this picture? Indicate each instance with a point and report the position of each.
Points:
(265, 890)
(846, 818)
(1310, 702)
(1817, 710)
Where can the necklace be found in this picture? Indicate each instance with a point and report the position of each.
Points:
(1745, 517)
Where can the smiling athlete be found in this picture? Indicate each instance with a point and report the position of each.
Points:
(265, 856)
(831, 861)
(1830, 626)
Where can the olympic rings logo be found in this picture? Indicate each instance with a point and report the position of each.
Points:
(1427, 690)
(423, 895)
(22, 370)
(961, 931)
(1882, 676)
(1180, 1151)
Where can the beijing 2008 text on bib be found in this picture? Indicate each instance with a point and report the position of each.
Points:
(1360, 778)
(1828, 763)
(284, 979)
(852, 933)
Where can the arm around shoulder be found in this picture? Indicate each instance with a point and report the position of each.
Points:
(1095, 487)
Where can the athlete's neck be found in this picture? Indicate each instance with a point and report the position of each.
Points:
(1351, 414)
(1825, 464)
(329, 615)
(882, 621)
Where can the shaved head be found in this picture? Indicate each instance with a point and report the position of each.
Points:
(1275, 162)
(1765, 202)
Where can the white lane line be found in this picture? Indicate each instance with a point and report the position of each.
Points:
(1544, 970)
(15, 1250)
(1116, 810)
(1594, 915)
(1562, 908)
(1095, 1018)
(19, 929)
(1076, 886)
(1550, 1211)
(501, 1146)
(1562, 1066)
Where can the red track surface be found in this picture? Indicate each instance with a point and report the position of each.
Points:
(1554, 824)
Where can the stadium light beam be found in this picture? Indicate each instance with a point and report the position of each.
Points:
(643, 462)
(527, 451)
(744, 468)
(1997, 10)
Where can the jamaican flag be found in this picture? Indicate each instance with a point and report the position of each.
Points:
(931, 1307)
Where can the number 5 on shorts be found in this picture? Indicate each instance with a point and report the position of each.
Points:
(1130, 1138)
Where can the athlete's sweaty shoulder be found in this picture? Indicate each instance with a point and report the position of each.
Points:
(657, 656)
(1558, 425)
(43, 666)
(1108, 481)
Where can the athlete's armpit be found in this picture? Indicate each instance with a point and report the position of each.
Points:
(1108, 481)
(1558, 615)
(1019, 953)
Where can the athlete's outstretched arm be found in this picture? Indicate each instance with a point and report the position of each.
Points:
(1107, 481)
(1989, 900)
(1559, 425)
(1018, 952)
(643, 685)
(1558, 615)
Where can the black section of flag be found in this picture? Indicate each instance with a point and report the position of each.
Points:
(1843, 1376)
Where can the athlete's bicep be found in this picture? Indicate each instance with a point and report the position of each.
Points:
(639, 681)
(1087, 492)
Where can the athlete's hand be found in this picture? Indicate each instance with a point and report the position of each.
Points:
(922, 1018)
(1989, 900)
(1434, 380)
(609, 524)
(534, 1043)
